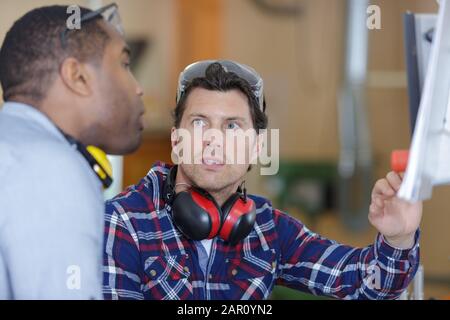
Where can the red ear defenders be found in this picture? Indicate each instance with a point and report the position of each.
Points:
(198, 216)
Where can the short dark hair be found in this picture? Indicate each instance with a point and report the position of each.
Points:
(218, 79)
(32, 52)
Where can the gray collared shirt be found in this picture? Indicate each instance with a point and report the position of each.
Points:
(51, 212)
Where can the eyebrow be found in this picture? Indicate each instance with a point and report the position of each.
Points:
(200, 115)
(197, 115)
(237, 118)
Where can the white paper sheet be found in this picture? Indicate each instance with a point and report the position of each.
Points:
(429, 159)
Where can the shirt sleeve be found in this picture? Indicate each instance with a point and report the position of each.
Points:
(51, 240)
(121, 258)
(320, 266)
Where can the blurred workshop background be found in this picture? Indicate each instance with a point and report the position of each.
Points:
(302, 50)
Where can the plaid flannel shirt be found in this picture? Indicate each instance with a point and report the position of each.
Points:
(146, 257)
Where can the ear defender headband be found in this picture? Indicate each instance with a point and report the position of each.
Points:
(198, 216)
(97, 160)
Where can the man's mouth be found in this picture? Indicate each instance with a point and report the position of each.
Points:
(141, 121)
(212, 163)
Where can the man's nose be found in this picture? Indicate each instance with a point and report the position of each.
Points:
(139, 90)
(213, 138)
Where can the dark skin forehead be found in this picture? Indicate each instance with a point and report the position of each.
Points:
(116, 47)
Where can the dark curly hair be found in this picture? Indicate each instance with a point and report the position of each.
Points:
(32, 54)
(218, 79)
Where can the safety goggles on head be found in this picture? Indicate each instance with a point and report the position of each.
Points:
(110, 14)
(198, 69)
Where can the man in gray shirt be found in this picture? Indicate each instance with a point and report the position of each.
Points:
(64, 90)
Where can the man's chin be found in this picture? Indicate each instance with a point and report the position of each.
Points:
(208, 184)
(134, 146)
(127, 147)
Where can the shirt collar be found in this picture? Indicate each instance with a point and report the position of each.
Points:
(30, 113)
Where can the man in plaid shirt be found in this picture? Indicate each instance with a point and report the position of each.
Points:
(149, 256)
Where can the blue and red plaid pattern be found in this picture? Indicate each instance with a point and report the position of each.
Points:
(146, 257)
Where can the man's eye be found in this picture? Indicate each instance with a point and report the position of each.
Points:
(198, 122)
(233, 126)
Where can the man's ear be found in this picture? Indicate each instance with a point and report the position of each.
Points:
(174, 137)
(76, 76)
(174, 140)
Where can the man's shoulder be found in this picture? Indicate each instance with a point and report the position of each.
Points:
(144, 197)
(45, 151)
(20, 129)
(41, 155)
(265, 211)
(34, 151)
(45, 175)
(261, 203)
(24, 141)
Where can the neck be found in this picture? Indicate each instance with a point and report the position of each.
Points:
(223, 195)
(182, 183)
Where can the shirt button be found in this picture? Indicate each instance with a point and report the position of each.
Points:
(186, 269)
(152, 273)
(210, 276)
(234, 272)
